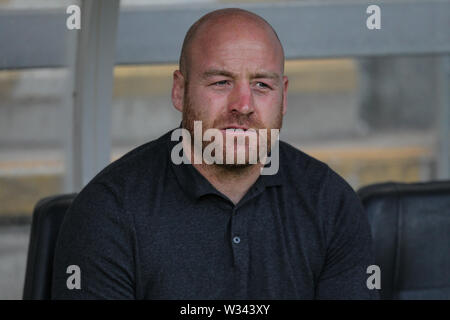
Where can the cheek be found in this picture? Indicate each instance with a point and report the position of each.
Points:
(207, 106)
(268, 106)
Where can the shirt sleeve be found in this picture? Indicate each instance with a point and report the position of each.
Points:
(349, 243)
(96, 240)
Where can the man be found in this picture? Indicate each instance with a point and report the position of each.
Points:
(149, 228)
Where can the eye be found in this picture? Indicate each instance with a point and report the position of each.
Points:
(221, 83)
(262, 85)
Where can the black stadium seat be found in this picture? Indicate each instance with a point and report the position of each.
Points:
(410, 226)
(47, 218)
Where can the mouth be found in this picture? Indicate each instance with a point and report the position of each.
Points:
(236, 129)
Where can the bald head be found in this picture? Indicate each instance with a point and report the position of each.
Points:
(231, 20)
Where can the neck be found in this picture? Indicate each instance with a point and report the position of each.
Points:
(233, 182)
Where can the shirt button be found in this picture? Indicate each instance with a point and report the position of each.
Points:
(236, 239)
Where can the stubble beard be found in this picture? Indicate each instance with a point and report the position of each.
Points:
(190, 114)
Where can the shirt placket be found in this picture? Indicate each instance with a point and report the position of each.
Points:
(240, 246)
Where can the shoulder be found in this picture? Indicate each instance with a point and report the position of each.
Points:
(110, 192)
(132, 174)
(137, 161)
(139, 166)
(300, 168)
(310, 175)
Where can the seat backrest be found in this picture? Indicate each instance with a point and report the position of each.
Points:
(410, 226)
(46, 221)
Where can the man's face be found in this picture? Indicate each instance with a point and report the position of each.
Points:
(235, 80)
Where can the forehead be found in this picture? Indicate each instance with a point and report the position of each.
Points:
(236, 44)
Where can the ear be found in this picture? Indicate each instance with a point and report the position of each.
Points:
(178, 90)
(285, 88)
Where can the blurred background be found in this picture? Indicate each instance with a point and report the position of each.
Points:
(370, 118)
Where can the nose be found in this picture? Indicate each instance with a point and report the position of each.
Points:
(241, 99)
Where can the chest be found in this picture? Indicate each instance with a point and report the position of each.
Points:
(212, 251)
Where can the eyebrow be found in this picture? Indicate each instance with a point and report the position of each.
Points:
(257, 75)
(266, 75)
(217, 72)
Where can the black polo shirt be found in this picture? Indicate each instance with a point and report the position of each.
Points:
(146, 228)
